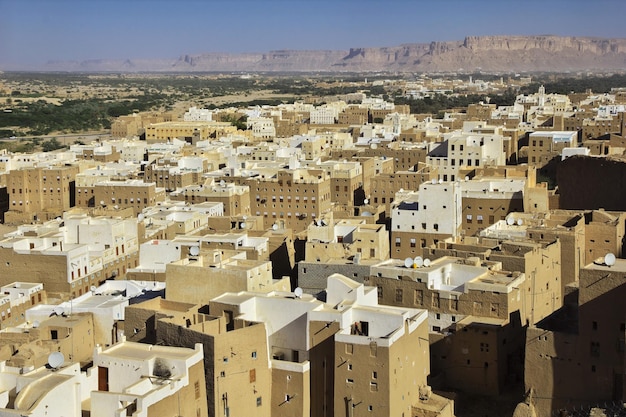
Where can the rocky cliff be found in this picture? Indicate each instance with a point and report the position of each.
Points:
(487, 53)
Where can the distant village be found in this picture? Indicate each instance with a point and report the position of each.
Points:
(337, 259)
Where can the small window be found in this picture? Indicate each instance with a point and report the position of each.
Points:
(259, 401)
(254, 354)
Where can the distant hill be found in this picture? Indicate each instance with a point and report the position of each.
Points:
(487, 53)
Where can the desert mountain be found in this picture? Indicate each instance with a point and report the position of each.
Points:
(487, 53)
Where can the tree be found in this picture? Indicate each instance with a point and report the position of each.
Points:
(51, 145)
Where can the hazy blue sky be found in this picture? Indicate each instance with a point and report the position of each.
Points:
(35, 31)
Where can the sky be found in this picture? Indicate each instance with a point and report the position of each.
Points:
(33, 32)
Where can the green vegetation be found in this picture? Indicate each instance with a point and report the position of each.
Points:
(51, 145)
(568, 85)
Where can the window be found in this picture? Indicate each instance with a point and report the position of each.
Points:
(380, 292)
(374, 375)
(196, 387)
(594, 325)
(259, 401)
(398, 295)
(419, 297)
(412, 242)
(254, 354)
(373, 386)
(435, 300)
(350, 381)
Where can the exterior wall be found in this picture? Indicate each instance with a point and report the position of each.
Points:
(291, 387)
(43, 193)
(542, 289)
(479, 213)
(543, 146)
(385, 186)
(193, 282)
(134, 195)
(478, 357)
(235, 378)
(162, 132)
(236, 199)
(383, 380)
(312, 276)
(604, 233)
(189, 400)
(590, 364)
(293, 199)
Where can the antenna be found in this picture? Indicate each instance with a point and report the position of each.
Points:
(55, 359)
(194, 250)
(510, 221)
(419, 262)
(408, 262)
(426, 262)
(298, 292)
(609, 259)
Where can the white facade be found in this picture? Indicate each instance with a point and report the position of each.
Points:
(261, 127)
(324, 116)
(463, 149)
(437, 211)
(195, 114)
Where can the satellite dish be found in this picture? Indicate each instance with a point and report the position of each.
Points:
(56, 359)
(102, 202)
(298, 292)
(426, 262)
(466, 178)
(274, 226)
(408, 262)
(35, 324)
(373, 146)
(510, 221)
(92, 288)
(242, 225)
(140, 216)
(222, 183)
(609, 259)
(116, 207)
(194, 250)
(366, 201)
(245, 217)
(419, 261)
(520, 222)
(434, 181)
